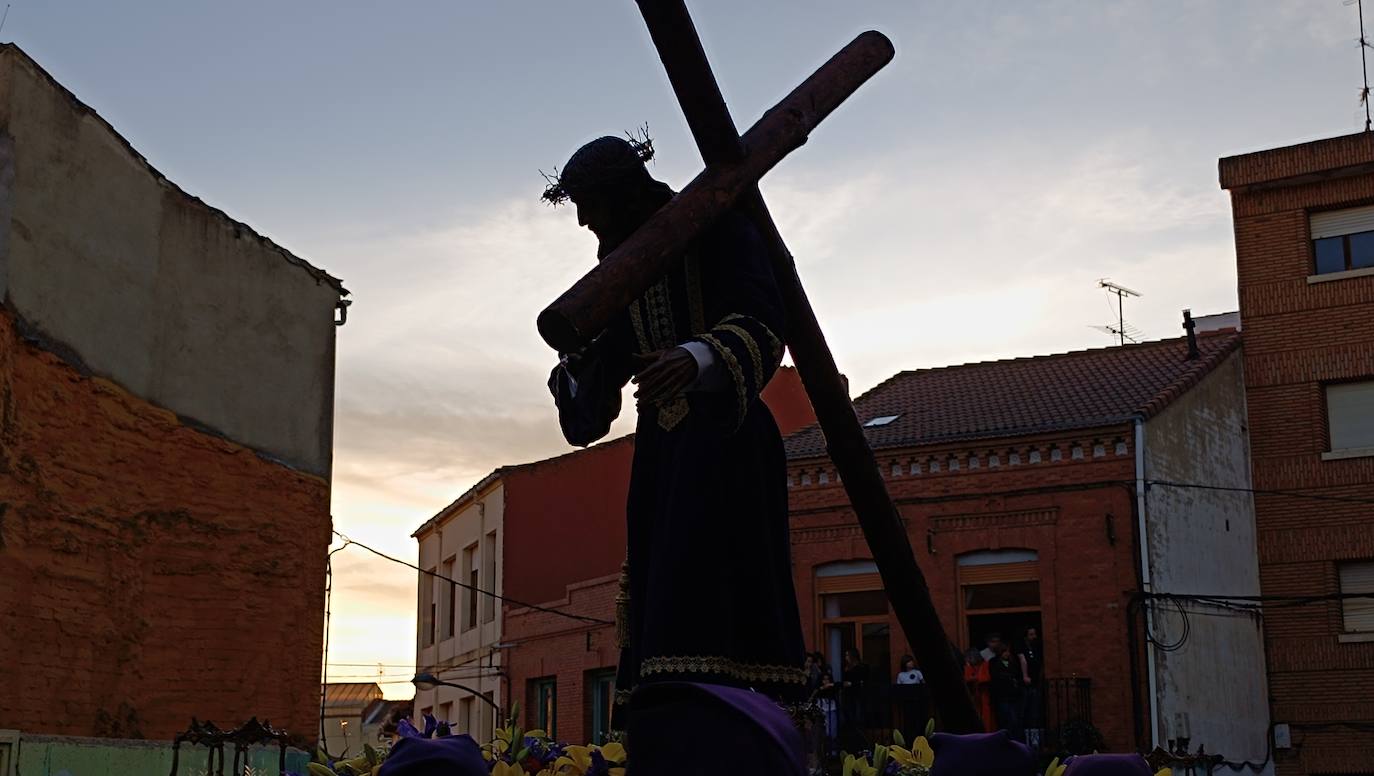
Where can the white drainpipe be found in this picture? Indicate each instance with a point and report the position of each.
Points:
(1145, 582)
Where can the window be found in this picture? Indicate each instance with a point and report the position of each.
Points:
(9, 752)
(543, 700)
(427, 607)
(858, 604)
(466, 718)
(489, 716)
(489, 576)
(600, 686)
(1342, 240)
(447, 607)
(1358, 613)
(1350, 416)
(1000, 593)
(471, 576)
(446, 713)
(854, 615)
(881, 420)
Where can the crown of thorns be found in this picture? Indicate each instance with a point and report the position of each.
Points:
(608, 171)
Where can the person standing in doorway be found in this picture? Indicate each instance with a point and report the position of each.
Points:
(853, 698)
(977, 679)
(1033, 667)
(1007, 672)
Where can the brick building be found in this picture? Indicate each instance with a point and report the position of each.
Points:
(1304, 231)
(1030, 490)
(166, 424)
(526, 532)
(557, 529)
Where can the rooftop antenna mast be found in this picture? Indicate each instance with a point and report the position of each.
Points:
(1364, 61)
(1121, 293)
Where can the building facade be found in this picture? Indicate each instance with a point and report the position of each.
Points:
(460, 627)
(1032, 493)
(566, 517)
(1304, 231)
(166, 428)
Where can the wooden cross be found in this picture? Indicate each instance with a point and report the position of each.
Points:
(734, 166)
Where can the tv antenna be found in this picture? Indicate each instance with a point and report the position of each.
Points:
(1364, 62)
(1122, 331)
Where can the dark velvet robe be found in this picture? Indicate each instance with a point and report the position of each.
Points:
(709, 570)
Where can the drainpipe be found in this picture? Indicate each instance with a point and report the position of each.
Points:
(1145, 583)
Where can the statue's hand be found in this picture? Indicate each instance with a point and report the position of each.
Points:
(668, 375)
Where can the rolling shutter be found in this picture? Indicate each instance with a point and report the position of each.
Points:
(1350, 413)
(1358, 612)
(1334, 223)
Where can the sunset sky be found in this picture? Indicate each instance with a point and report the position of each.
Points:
(960, 207)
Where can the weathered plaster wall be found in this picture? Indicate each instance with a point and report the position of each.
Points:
(140, 283)
(149, 572)
(1213, 690)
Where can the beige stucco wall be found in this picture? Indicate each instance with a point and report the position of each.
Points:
(1214, 689)
(464, 524)
(126, 275)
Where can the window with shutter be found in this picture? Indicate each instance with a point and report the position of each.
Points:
(1342, 240)
(1350, 416)
(1358, 613)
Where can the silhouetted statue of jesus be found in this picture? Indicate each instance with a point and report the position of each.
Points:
(709, 578)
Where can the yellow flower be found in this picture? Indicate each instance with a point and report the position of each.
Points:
(1165, 772)
(507, 769)
(577, 760)
(614, 753)
(922, 753)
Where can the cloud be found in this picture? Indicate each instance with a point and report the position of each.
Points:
(922, 257)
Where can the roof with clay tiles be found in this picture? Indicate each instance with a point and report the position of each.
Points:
(1022, 396)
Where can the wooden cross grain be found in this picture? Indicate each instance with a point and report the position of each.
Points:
(734, 165)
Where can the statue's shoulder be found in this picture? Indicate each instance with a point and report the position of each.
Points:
(731, 228)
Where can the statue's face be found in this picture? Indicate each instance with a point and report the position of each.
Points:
(598, 214)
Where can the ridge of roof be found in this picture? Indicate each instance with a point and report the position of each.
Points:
(501, 471)
(13, 49)
(1215, 347)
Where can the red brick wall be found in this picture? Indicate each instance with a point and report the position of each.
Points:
(1298, 335)
(148, 572)
(1057, 508)
(787, 400)
(565, 520)
(565, 524)
(550, 645)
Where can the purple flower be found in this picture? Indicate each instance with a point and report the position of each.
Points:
(405, 728)
(431, 725)
(599, 765)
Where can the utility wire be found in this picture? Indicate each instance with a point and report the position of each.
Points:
(473, 588)
(1297, 601)
(1264, 492)
(324, 668)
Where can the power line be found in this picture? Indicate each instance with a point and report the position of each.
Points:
(1264, 492)
(473, 588)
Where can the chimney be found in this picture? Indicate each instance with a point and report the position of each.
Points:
(1190, 326)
